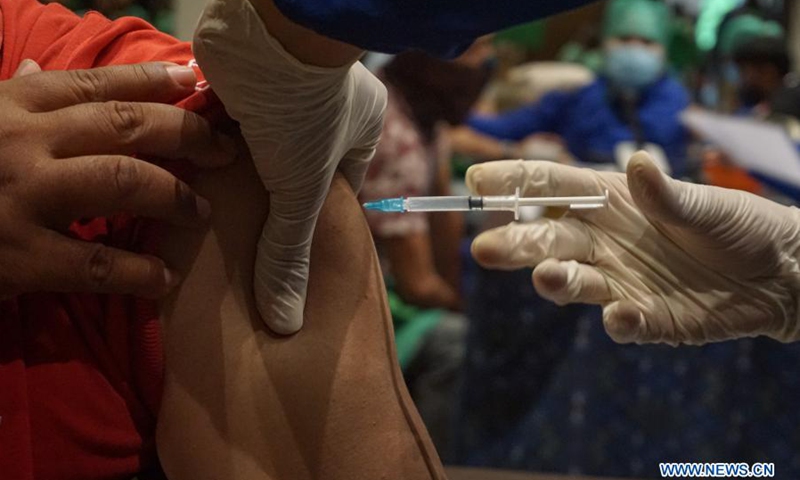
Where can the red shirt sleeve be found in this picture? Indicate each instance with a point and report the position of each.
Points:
(81, 375)
(60, 40)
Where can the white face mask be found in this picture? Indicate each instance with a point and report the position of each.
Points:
(633, 67)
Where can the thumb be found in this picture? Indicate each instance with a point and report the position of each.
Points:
(660, 197)
(283, 259)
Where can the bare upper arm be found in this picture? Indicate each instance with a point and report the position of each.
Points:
(240, 402)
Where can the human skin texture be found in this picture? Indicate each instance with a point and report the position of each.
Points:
(241, 403)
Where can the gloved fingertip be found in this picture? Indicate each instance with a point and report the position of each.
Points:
(623, 322)
(486, 252)
(283, 323)
(649, 186)
(473, 178)
(643, 173)
(550, 279)
(281, 311)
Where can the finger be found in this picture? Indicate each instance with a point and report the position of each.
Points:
(354, 171)
(105, 185)
(282, 265)
(526, 245)
(74, 266)
(151, 82)
(27, 67)
(533, 178)
(673, 202)
(624, 322)
(654, 193)
(649, 320)
(571, 282)
(354, 167)
(705, 213)
(128, 128)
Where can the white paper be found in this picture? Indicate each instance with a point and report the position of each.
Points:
(756, 145)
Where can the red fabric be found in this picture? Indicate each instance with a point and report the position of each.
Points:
(81, 375)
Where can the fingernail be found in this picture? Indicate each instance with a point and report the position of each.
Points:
(27, 67)
(171, 279)
(184, 76)
(203, 209)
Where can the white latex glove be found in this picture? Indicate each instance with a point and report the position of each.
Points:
(301, 124)
(670, 262)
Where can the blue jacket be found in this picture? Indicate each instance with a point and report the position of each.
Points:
(592, 124)
(441, 27)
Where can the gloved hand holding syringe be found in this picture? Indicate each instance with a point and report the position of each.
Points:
(496, 203)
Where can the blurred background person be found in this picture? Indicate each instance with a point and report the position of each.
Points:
(759, 82)
(634, 104)
(754, 61)
(421, 254)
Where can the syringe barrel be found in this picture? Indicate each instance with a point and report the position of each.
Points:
(437, 204)
(507, 203)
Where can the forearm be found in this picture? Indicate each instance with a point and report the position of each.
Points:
(447, 230)
(467, 141)
(414, 271)
(430, 291)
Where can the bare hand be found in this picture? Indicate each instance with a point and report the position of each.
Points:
(64, 155)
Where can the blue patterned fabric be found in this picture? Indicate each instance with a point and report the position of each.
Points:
(547, 390)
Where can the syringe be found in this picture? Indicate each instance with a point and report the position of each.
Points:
(504, 203)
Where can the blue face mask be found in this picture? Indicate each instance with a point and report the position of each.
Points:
(633, 67)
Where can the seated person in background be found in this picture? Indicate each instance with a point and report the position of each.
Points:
(760, 73)
(634, 104)
(736, 60)
(421, 253)
(764, 64)
(82, 376)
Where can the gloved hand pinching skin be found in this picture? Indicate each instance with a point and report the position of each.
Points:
(670, 262)
(302, 123)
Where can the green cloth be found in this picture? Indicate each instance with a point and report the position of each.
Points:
(745, 27)
(164, 21)
(411, 326)
(712, 12)
(638, 18)
(529, 36)
(682, 50)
